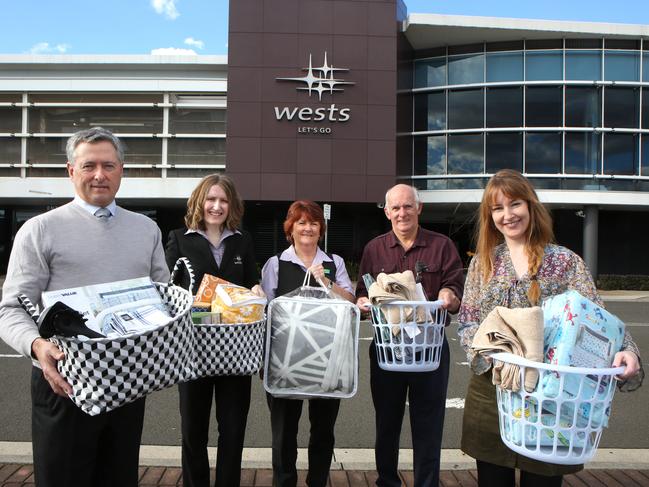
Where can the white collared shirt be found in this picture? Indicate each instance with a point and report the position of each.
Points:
(112, 207)
(217, 250)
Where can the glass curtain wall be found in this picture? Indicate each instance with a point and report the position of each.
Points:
(568, 109)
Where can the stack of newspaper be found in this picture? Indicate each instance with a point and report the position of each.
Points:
(115, 308)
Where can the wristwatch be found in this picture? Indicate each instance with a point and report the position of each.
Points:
(330, 285)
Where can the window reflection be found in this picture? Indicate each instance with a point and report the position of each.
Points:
(10, 119)
(543, 152)
(430, 154)
(543, 65)
(465, 109)
(583, 65)
(118, 120)
(504, 107)
(582, 153)
(645, 156)
(504, 66)
(583, 106)
(465, 154)
(465, 69)
(196, 121)
(645, 108)
(504, 151)
(620, 154)
(9, 150)
(430, 72)
(621, 66)
(430, 111)
(621, 107)
(543, 106)
(196, 151)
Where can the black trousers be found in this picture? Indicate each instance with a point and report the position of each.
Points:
(426, 394)
(232, 401)
(490, 475)
(72, 448)
(284, 418)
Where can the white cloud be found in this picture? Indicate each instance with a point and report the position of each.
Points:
(190, 41)
(45, 48)
(166, 8)
(173, 51)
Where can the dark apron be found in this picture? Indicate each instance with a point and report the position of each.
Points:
(481, 433)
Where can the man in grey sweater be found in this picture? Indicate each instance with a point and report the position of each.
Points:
(87, 241)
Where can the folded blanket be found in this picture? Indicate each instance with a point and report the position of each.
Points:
(518, 331)
(399, 286)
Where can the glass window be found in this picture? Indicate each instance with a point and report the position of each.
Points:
(46, 150)
(197, 121)
(465, 154)
(621, 107)
(620, 154)
(543, 65)
(621, 66)
(645, 66)
(143, 151)
(96, 98)
(9, 150)
(504, 107)
(583, 65)
(118, 120)
(10, 98)
(196, 151)
(543, 152)
(645, 108)
(504, 151)
(544, 106)
(11, 119)
(466, 69)
(582, 153)
(190, 173)
(430, 72)
(583, 106)
(430, 154)
(504, 66)
(465, 109)
(645, 156)
(430, 111)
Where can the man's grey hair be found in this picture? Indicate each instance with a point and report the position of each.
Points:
(91, 136)
(415, 193)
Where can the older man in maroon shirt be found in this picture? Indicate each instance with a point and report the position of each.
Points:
(435, 261)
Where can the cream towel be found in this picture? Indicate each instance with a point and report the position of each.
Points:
(518, 331)
(399, 286)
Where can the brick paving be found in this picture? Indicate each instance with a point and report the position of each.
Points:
(16, 475)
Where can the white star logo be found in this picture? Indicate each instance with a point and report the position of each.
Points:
(322, 83)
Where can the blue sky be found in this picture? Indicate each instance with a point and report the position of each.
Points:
(145, 26)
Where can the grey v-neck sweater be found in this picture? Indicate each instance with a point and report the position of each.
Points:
(69, 247)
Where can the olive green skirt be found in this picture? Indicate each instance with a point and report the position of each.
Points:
(481, 434)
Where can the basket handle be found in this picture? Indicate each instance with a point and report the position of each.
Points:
(188, 268)
(307, 280)
(510, 358)
(29, 307)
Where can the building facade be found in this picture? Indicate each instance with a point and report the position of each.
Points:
(336, 101)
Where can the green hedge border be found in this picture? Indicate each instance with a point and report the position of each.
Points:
(613, 282)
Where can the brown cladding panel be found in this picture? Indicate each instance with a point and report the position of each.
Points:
(381, 20)
(381, 87)
(244, 153)
(280, 15)
(315, 17)
(350, 18)
(244, 84)
(315, 187)
(280, 50)
(348, 188)
(248, 184)
(381, 156)
(280, 91)
(350, 156)
(381, 122)
(314, 155)
(246, 16)
(244, 119)
(350, 52)
(377, 186)
(315, 45)
(284, 155)
(244, 49)
(381, 53)
(278, 187)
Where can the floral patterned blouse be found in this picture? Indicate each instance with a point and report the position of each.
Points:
(560, 271)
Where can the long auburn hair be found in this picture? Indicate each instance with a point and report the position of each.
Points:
(194, 216)
(539, 233)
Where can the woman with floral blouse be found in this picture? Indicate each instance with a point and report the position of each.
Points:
(517, 266)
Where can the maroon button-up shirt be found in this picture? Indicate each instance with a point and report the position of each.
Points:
(433, 255)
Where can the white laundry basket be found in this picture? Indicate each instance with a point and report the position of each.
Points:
(409, 335)
(562, 420)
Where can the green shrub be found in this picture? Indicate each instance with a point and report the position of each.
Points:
(612, 282)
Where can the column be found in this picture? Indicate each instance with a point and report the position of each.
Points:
(591, 226)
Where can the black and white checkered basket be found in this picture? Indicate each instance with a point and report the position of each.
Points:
(229, 349)
(107, 373)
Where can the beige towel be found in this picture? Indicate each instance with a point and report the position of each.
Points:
(399, 286)
(518, 331)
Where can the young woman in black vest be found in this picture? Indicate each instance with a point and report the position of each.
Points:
(214, 245)
(304, 226)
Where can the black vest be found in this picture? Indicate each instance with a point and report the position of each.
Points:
(290, 276)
